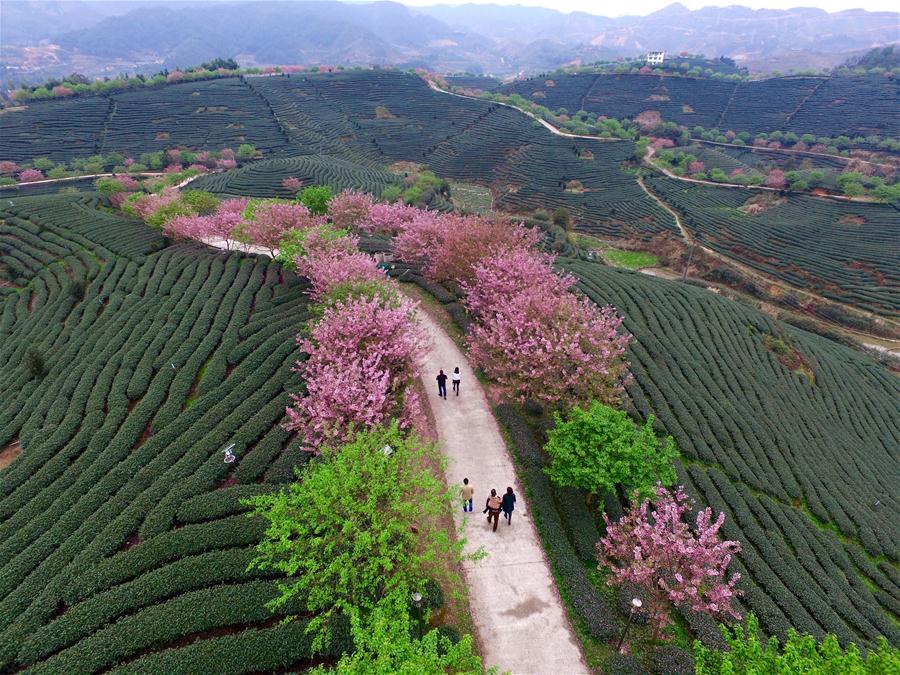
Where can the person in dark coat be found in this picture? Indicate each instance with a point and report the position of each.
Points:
(442, 385)
(508, 504)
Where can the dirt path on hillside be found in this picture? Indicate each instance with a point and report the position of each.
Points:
(519, 618)
(648, 160)
(761, 277)
(552, 129)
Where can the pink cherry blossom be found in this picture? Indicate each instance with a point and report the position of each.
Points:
(349, 208)
(30, 175)
(654, 547)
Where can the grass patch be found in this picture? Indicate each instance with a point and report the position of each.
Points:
(471, 197)
(633, 260)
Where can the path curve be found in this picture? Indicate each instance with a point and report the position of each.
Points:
(518, 614)
(762, 277)
(545, 123)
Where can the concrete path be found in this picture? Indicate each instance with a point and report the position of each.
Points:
(519, 617)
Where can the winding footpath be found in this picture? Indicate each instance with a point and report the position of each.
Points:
(519, 618)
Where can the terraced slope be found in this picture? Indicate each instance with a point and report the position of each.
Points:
(263, 178)
(384, 117)
(804, 462)
(847, 252)
(121, 537)
(825, 106)
(206, 115)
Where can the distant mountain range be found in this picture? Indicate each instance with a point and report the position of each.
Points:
(41, 39)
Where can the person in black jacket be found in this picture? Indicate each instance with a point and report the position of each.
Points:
(508, 504)
(442, 385)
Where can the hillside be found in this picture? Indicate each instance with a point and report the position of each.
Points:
(842, 251)
(349, 129)
(792, 436)
(124, 540)
(93, 37)
(121, 529)
(824, 106)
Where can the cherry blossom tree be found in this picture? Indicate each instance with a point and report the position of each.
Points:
(362, 357)
(506, 274)
(388, 219)
(187, 227)
(30, 175)
(554, 350)
(292, 184)
(8, 168)
(696, 167)
(349, 208)
(329, 269)
(271, 220)
(59, 91)
(776, 179)
(146, 205)
(653, 546)
(451, 246)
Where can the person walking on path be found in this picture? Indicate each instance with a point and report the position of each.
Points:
(492, 508)
(508, 504)
(442, 385)
(456, 378)
(467, 492)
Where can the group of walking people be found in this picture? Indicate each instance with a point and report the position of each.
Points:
(494, 504)
(442, 383)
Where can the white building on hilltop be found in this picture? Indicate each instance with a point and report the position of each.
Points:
(655, 58)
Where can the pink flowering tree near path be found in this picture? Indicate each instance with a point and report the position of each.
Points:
(653, 546)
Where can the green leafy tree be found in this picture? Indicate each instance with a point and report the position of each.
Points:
(293, 244)
(108, 186)
(203, 202)
(246, 151)
(391, 193)
(363, 521)
(167, 212)
(561, 218)
(601, 448)
(315, 198)
(386, 644)
(43, 163)
(799, 654)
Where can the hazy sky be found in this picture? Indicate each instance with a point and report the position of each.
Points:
(641, 7)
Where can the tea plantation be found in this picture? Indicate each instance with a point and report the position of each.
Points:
(384, 117)
(206, 115)
(803, 463)
(847, 252)
(129, 366)
(826, 106)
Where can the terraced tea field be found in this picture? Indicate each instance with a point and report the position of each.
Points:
(825, 106)
(128, 366)
(263, 178)
(803, 463)
(385, 117)
(843, 251)
(206, 115)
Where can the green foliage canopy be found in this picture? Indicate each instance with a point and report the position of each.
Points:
(799, 654)
(315, 198)
(361, 522)
(600, 448)
(384, 644)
